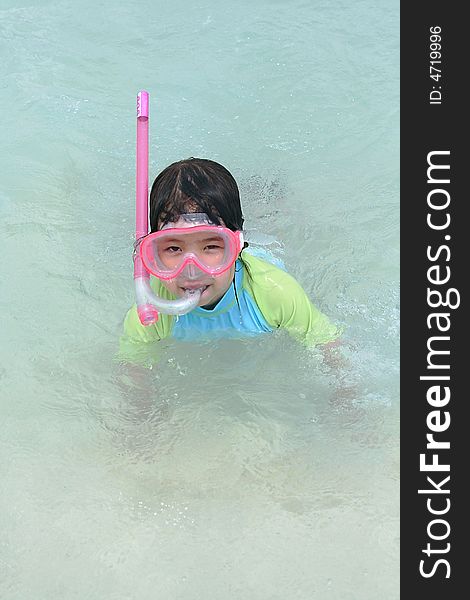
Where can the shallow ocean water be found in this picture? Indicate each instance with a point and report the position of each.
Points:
(233, 469)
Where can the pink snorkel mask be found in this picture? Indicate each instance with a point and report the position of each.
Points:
(148, 303)
(192, 248)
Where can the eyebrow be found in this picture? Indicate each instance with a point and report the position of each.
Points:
(214, 238)
(173, 239)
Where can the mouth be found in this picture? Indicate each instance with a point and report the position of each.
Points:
(192, 288)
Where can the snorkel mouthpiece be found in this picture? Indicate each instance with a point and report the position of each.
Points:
(148, 303)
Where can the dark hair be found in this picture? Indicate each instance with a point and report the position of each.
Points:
(195, 185)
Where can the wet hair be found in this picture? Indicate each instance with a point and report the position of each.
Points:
(195, 185)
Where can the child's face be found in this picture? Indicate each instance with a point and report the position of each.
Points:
(214, 287)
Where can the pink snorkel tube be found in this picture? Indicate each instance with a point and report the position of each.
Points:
(148, 303)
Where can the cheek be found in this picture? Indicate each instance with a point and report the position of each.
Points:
(223, 282)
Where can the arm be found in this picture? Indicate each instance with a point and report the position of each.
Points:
(139, 345)
(346, 387)
(284, 304)
(313, 328)
(139, 350)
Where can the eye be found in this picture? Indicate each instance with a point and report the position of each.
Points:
(172, 249)
(213, 247)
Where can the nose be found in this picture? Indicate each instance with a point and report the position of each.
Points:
(191, 271)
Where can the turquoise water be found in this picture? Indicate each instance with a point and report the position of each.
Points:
(236, 469)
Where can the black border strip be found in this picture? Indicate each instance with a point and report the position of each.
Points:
(427, 128)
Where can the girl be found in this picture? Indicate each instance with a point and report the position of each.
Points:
(195, 208)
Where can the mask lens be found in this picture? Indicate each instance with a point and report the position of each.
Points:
(212, 249)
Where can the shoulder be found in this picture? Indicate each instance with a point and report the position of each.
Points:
(284, 303)
(265, 279)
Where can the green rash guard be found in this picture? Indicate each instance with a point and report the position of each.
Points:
(266, 298)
